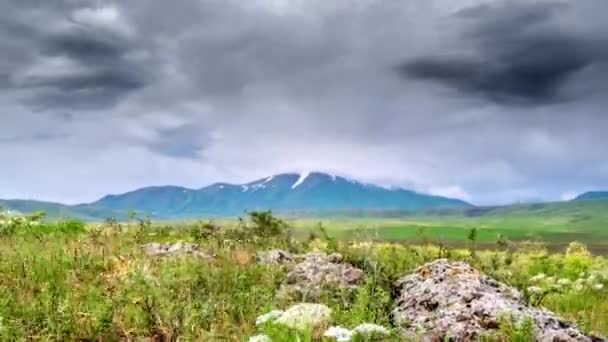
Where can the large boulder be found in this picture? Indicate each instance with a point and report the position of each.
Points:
(176, 249)
(446, 299)
(274, 256)
(318, 271)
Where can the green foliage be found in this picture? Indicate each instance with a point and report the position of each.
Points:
(202, 231)
(510, 330)
(472, 237)
(64, 281)
(32, 224)
(266, 225)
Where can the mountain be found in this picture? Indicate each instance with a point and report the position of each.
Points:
(592, 195)
(297, 193)
(57, 210)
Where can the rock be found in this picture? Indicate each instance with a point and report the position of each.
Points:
(318, 271)
(275, 256)
(445, 299)
(176, 249)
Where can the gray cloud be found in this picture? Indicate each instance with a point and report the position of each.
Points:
(497, 102)
(523, 55)
(69, 56)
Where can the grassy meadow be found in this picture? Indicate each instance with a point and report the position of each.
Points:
(555, 225)
(68, 281)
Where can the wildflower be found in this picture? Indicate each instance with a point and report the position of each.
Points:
(339, 333)
(535, 289)
(563, 281)
(270, 316)
(369, 329)
(537, 278)
(598, 286)
(259, 338)
(305, 315)
(578, 287)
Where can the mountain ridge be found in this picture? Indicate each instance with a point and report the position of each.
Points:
(592, 195)
(314, 192)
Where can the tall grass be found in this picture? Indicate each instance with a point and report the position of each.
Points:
(66, 283)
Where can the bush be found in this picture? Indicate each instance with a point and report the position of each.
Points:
(14, 223)
(266, 225)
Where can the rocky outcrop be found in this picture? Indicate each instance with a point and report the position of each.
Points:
(275, 256)
(318, 271)
(445, 299)
(176, 249)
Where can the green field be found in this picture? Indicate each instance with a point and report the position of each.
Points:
(554, 224)
(67, 281)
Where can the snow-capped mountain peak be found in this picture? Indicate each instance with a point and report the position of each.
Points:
(300, 180)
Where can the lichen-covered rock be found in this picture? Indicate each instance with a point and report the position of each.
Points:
(445, 299)
(318, 271)
(176, 249)
(275, 256)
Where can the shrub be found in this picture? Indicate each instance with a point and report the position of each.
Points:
(266, 225)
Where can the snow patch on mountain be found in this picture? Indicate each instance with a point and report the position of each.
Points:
(261, 184)
(300, 180)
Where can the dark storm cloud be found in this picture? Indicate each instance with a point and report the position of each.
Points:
(83, 45)
(38, 137)
(521, 55)
(68, 59)
(182, 142)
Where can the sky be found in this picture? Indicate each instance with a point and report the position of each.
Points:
(489, 101)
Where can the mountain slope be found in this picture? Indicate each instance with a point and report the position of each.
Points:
(57, 210)
(314, 192)
(592, 195)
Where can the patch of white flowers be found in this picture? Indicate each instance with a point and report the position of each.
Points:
(268, 317)
(305, 316)
(586, 281)
(369, 329)
(339, 334)
(366, 330)
(300, 317)
(259, 338)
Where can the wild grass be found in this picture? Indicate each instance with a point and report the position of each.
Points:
(98, 284)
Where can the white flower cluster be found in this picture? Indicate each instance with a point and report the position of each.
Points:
(307, 315)
(300, 317)
(339, 334)
(366, 330)
(543, 284)
(259, 338)
(268, 317)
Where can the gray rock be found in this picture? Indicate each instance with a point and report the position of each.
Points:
(318, 271)
(275, 256)
(176, 249)
(445, 299)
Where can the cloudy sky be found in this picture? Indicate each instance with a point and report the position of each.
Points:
(489, 101)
